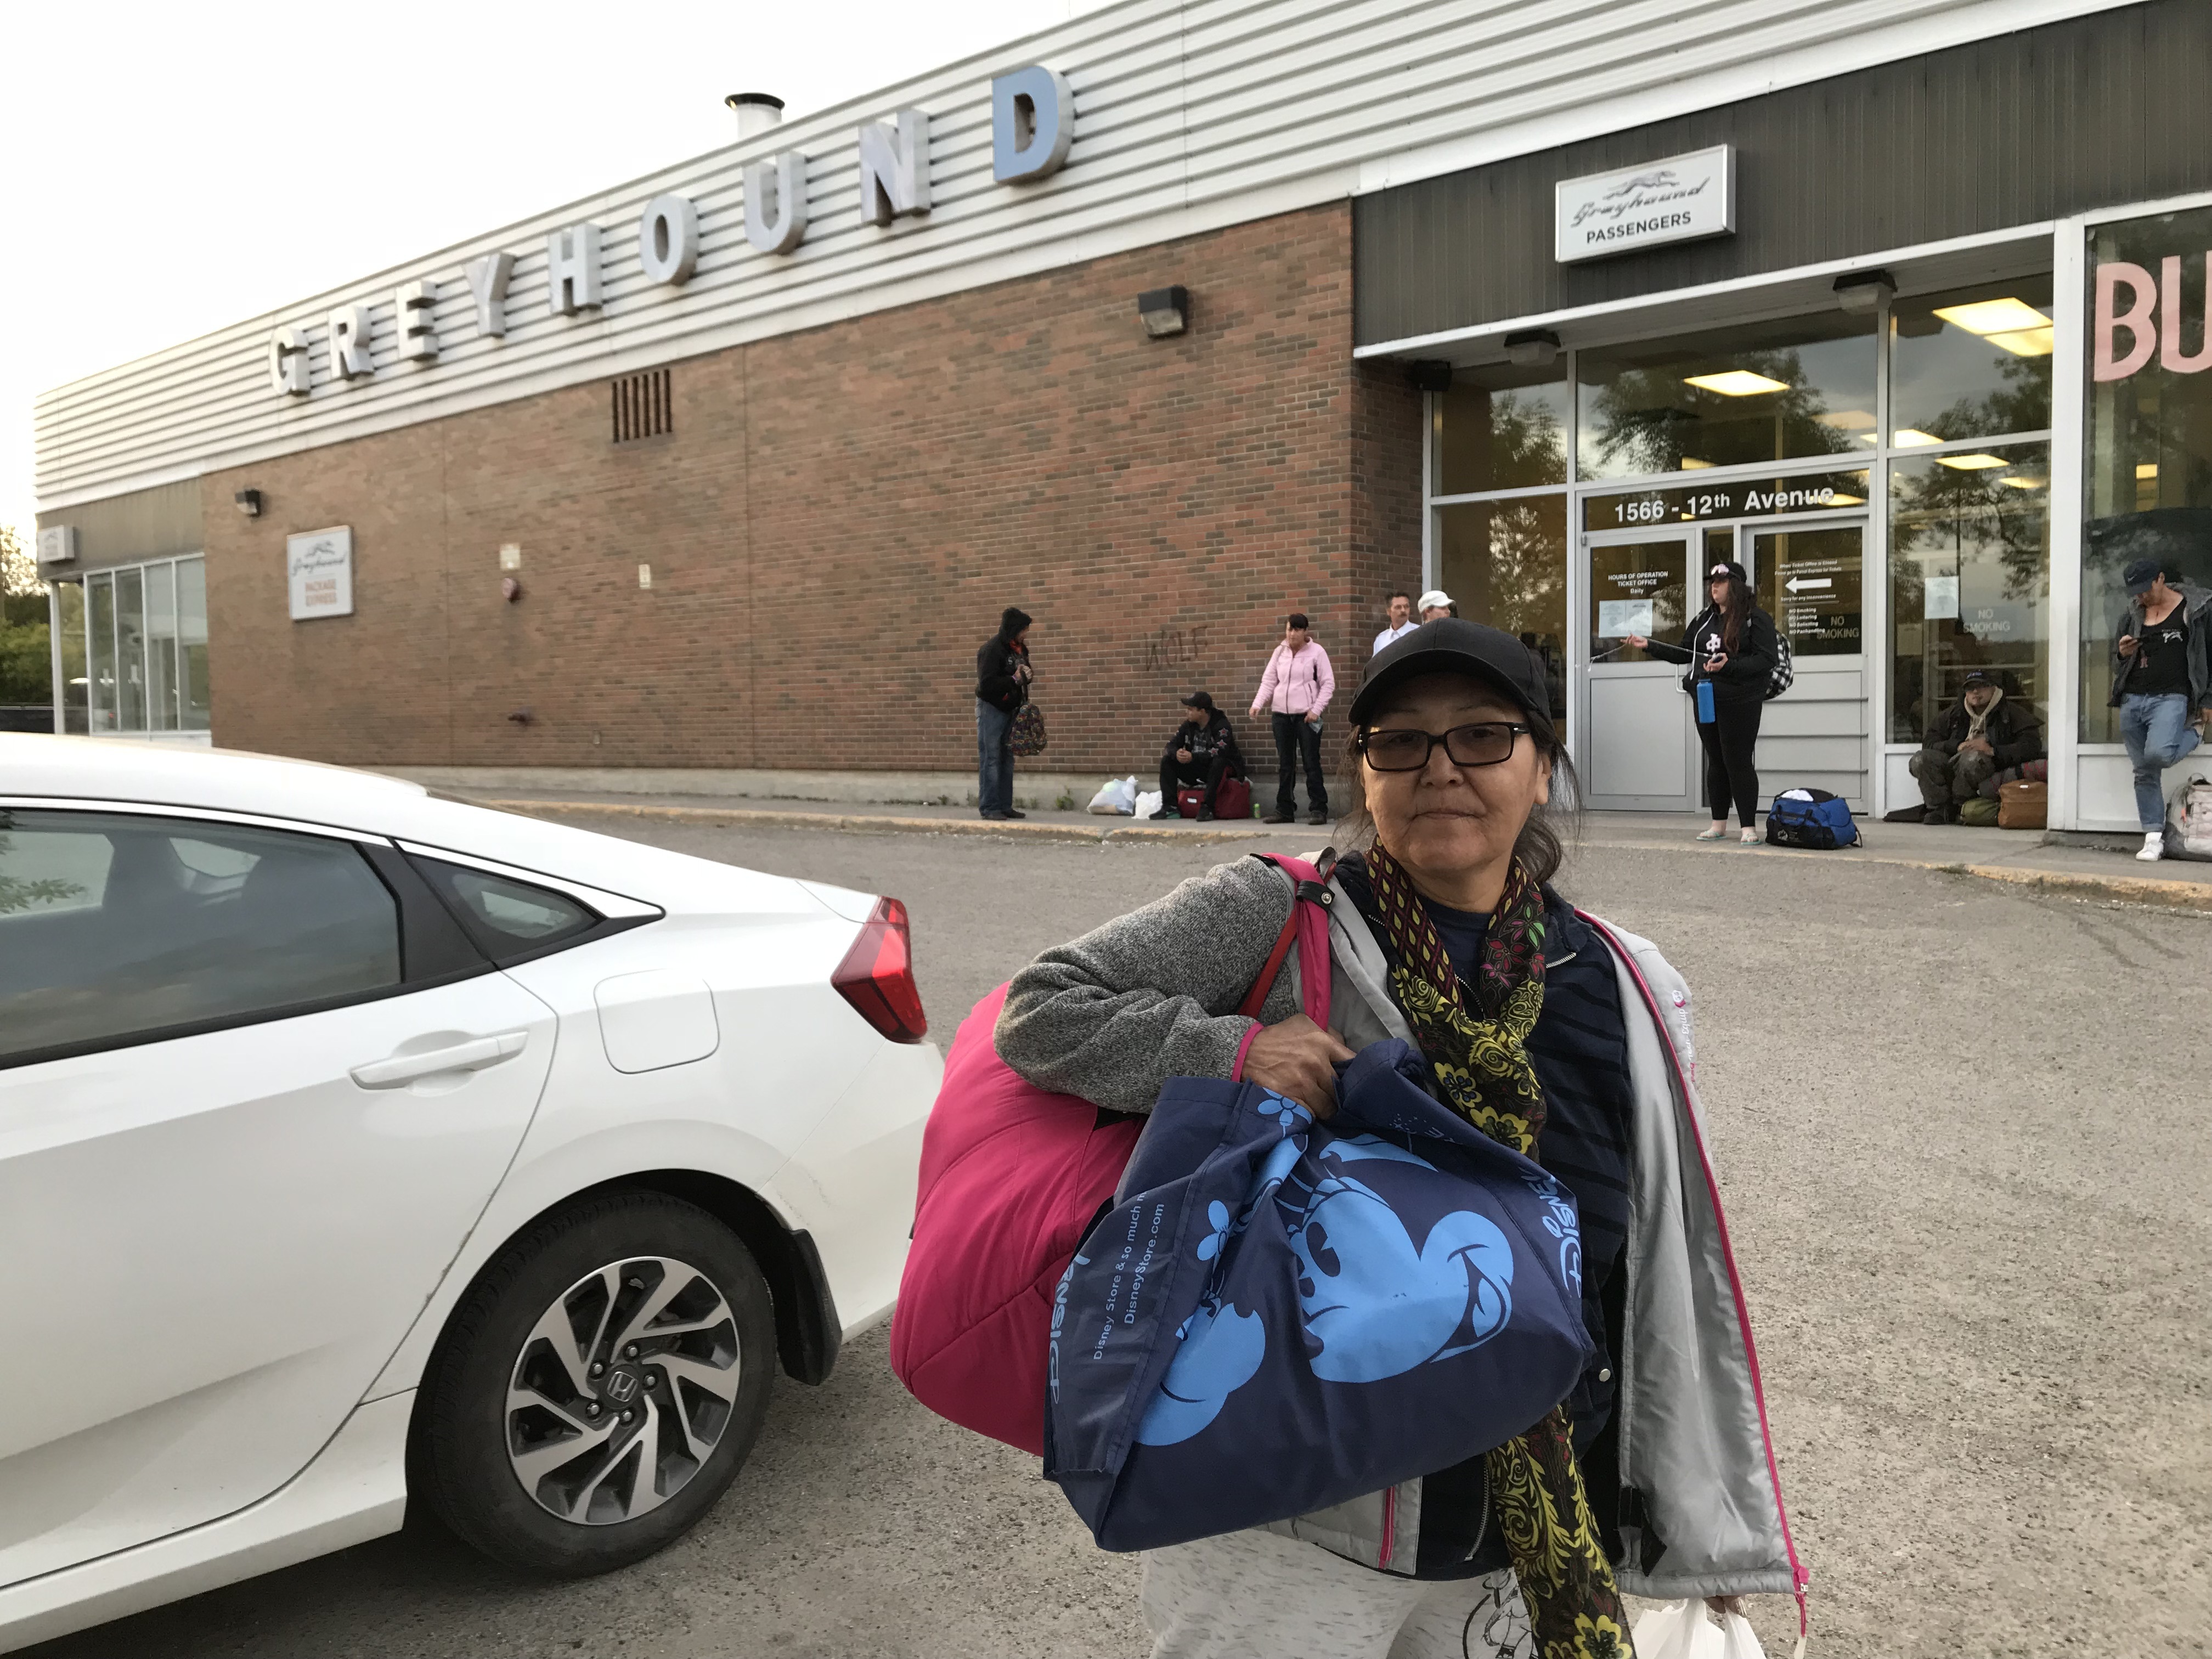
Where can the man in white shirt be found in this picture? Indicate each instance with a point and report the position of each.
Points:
(1295, 690)
(1401, 621)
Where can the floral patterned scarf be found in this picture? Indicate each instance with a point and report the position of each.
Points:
(1476, 1038)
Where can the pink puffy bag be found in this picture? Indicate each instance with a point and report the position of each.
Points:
(1012, 1177)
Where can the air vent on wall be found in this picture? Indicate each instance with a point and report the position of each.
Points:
(642, 407)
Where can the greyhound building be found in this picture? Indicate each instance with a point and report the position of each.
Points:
(1172, 318)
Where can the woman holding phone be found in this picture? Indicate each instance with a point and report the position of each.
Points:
(1731, 648)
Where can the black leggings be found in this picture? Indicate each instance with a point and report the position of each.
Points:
(1729, 770)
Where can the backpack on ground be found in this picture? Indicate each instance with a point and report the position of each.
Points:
(2189, 821)
(1811, 817)
(1011, 1177)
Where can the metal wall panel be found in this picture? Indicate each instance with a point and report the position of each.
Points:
(2016, 130)
(146, 524)
(1190, 115)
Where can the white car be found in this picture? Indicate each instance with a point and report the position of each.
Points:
(357, 1144)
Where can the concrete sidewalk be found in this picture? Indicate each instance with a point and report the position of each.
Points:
(2024, 857)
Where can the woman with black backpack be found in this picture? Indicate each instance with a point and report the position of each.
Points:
(1731, 648)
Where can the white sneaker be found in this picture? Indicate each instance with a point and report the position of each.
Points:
(2153, 847)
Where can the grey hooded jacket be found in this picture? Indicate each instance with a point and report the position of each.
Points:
(1111, 1016)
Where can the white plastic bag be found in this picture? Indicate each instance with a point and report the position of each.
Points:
(1147, 804)
(1679, 1630)
(1738, 1640)
(1116, 796)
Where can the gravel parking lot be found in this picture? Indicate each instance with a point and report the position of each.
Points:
(1962, 1136)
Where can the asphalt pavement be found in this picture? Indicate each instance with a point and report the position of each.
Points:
(1962, 1134)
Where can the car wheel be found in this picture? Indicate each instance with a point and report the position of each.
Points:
(598, 1387)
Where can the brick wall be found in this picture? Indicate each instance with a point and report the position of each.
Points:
(835, 522)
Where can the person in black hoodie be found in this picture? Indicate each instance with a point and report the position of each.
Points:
(1203, 751)
(1731, 644)
(1977, 737)
(1002, 686)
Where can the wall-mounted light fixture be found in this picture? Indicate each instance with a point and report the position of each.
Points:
(247, 502)
(1532, 348)
(1861, 292)
(1429, 374)
(1163, 311)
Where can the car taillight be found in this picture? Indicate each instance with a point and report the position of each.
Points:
(877, 976)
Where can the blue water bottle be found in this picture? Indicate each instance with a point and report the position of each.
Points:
(1704, 702)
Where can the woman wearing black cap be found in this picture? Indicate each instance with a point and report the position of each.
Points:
(1557, 1035)
(1730, 646)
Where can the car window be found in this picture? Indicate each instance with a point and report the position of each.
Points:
(506, 917)
(114, 926)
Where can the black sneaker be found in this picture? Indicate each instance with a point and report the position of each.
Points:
(1011, 813)
(1319, 815)
(1167, 813)
(1280, 817)
(1937, 815)
(1206, 815)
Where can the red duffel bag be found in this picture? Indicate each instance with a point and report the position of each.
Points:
(1012, 1177)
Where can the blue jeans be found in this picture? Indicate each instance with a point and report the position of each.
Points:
(995, 760)
(2157, 732)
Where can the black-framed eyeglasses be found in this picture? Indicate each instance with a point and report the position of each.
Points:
(1485, 743)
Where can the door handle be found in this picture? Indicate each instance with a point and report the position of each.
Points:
(470, 1056)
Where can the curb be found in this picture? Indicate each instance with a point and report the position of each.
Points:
(2127, 889)
(865, 823)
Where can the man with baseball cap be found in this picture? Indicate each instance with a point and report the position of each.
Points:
(2161, 684)
(1982, 734)
(1434, 604)
(1203, 751)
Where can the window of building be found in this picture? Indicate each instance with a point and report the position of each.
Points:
(1969, 579)
(2147, 493)
(1503, 428)
(1764, 392)
(1975, 363)
(145, 650)
(115, 927)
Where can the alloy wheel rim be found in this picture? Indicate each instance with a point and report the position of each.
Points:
(622, 1390)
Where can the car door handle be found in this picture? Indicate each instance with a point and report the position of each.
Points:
(471, 1056)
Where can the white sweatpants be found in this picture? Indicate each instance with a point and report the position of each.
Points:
(1261, 1596)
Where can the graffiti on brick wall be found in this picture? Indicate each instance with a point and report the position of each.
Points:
(1175, 647)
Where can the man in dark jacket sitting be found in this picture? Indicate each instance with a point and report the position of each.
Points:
(1203, 751)
(1984, 733)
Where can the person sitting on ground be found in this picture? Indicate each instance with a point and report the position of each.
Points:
(1975, 737)
(1203, 751)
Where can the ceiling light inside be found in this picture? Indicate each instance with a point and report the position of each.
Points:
(2027, 342)
(1912, 438)
(1985, 317)
(2020, 481)
(1841, 500)
(2147, 469)
(1736, 383)
(1691, 464)
(1846, 419)
(1971, 463)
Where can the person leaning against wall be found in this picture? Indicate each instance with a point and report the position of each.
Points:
(2160, 685)
(1002, 686)
(1730, 646)
(1295, 690)
(1541, 1025)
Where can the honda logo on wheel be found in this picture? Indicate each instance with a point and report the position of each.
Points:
(622, 1385)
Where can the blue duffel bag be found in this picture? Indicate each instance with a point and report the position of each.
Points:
(1278, 1315)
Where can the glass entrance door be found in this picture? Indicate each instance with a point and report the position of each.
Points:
(1816, 735)
(1639, 745)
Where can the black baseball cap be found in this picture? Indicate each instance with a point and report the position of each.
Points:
(1978, 677)
(2140, 575)
(1453, 645)
(1199, 700)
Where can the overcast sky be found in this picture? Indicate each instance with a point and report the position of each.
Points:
(170, 169)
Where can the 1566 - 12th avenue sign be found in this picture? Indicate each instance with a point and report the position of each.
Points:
(1679, 199)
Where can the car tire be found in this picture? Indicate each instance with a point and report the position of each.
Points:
(535, 1457)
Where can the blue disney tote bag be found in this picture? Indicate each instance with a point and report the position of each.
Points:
(1278, 1315)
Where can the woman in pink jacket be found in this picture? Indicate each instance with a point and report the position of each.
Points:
(1295, 690)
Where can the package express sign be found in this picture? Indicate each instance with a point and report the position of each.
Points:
(1032, 126)
(1682, 198)
(319, 564)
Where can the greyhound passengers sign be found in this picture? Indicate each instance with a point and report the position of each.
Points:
(1680, 199)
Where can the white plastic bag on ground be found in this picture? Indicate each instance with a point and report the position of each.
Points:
(1148, 803)
(1116, 795)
